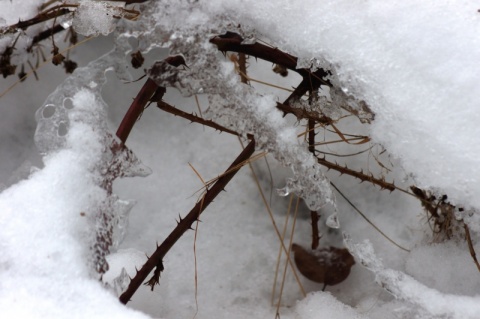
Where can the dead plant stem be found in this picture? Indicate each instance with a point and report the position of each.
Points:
(185, 224)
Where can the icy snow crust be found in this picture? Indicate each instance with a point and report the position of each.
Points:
(413, 63)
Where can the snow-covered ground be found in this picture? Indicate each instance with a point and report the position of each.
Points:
(415, 65)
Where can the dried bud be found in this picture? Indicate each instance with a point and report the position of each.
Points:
(280, 69)
(137, 59)
(7, 69)
(58, 58)
(69, 66)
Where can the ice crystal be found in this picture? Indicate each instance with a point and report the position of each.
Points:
(93, 18)
(332, 221)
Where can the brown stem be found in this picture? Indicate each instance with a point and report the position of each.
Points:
(173, 110)
(315, 233)
(308, 84)
(138, 106)
(313, 214)
(360, 175)
(302, 113)
(185, 224)
(41, 17)
(231, 41)
(45, 35)
(299, 91)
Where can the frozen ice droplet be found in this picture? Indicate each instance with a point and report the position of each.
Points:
(332, 221)
(120, 283)
(283, 191)
(66, 23)
(249, 40)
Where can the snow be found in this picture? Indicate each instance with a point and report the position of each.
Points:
(46, 232)
(11, 12)
(414, 64)
(430, 302)
(326, 305)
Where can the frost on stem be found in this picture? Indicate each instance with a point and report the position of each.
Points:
(185, 29)
(74, 118)
(242, 109)
(332, 99)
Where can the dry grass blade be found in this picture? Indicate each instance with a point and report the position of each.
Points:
(292, 231)
(470, 245)
(275, 227)
(368, 220)
(280, 250)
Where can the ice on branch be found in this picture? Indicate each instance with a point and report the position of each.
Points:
(425, 302)
(240, 107)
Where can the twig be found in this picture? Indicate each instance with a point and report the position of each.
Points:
(138, 106)
(185, 224)
(41, 17)
(192, 117)
(45, 35)
(360, 175)
(313, 214)
(231, 41)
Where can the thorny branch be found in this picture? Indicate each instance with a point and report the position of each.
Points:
(360, 175)
(231, 41)
(192, 117)
(183, 225)
(136, 109)
(41, 17)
